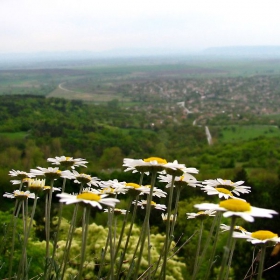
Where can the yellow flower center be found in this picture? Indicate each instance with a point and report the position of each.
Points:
(240, 228)
(26, 180)
(223, 190)
(133, 185)
(235, 205)
(153, 203)
(89, 196)
(56, 172)
(263, 234)
(20, 194)
(107, 190)
(68, 158)
(200, 213)
(36, 183)
(159, 160)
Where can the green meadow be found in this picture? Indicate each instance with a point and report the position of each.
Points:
(14, 135)
(235, 133)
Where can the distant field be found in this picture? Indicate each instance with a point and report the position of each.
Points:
(14, 135)
(240, 133)
(101, 96)
(97, 82)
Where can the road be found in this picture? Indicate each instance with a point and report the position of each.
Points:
(208, 135)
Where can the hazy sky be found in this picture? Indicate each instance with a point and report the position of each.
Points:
(58, 25)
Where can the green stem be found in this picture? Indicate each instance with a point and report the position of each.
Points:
(207, 243)
(167, 237)
(149, 254)
(48, 221)
(227, 249)
(216, 223)
(195, 269)
(128, 238)
(86, 215)
(69, 238)
(230, 258)
(20, 186)
(145, 227)
(112, 249)
(171, 231)
(124, 224)
(103, 254)
(122, 230)
(15, 218)
(32, 214)
(69, 242)
(59, 221)
(23, 261)
(261, 262)
(175, 212)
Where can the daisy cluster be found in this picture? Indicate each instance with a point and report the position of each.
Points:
(105, 195)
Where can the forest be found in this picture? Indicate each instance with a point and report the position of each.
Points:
(122, 114)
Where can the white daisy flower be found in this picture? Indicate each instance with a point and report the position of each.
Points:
(109, 190)
(20, 175)
(233, 187)
(156, 191)
(180, 168)
(201, 214)
(50, 172)
(20, 195)
(221, 192)
(175, 168)
(238, 229)
(36, 185)
(135, 189)
(144, 165)
(80, 177)
(91, 198)
(239, 208)
(16, 182)
(155, 205)
(68, 161)
(113, 186)
(172, 217)
(117, 211)
(92, 190)
(185, 180)
(260, 236)
(54, 189)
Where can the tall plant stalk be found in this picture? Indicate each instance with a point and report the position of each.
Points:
(56, 236)
(227, 249)
(86, 215)
(18, 205)
(216, 223)
(167, 234)
(197, 255)
(261, 262)
(145, 227)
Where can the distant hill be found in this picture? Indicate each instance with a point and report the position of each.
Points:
(80, 55)
(131, 55)
(245, 51)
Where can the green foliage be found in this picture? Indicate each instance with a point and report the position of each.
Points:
(97, 235)
(36, 249)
